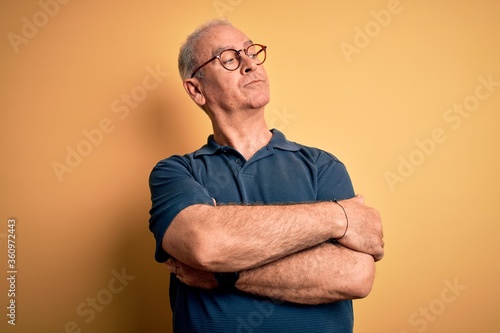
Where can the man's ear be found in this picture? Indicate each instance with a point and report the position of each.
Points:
(193, 88)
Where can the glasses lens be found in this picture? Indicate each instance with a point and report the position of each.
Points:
(257, 52)
(230, 59)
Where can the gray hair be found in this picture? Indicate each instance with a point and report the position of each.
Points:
(187, 54)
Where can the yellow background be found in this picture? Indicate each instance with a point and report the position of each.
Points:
(375, 106)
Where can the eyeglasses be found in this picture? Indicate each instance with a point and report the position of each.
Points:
(230, 59)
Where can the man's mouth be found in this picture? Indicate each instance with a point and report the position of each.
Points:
(254, 81)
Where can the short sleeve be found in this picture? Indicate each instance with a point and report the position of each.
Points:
(173, 188)
(334, 181)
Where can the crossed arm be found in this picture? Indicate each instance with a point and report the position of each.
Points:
(281, 251)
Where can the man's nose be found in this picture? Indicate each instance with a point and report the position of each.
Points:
(248, 64)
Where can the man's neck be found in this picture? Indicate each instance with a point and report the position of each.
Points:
(246, 134)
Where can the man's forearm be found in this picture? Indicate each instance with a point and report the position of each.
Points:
(235, 238)
(323, 274)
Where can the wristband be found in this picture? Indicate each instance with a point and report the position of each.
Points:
(227, 281)
(346, 218)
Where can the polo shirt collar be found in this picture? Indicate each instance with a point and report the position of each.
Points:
(278, 141)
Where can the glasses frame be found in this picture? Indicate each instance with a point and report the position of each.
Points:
(238, 52)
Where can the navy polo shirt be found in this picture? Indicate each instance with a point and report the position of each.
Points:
(282, 172)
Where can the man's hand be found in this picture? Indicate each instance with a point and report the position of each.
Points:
(191, 276)
(364, 232)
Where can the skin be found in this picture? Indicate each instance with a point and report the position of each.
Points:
(280, 251)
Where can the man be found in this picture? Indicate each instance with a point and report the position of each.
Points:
(261, 234)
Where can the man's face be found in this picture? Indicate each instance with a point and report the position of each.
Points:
(245, 88)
